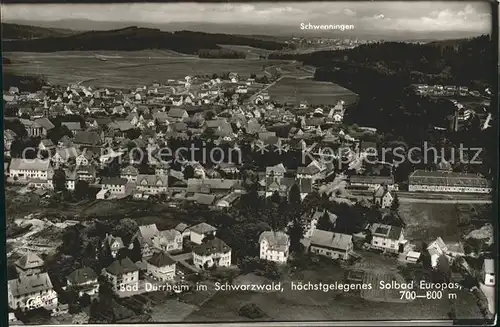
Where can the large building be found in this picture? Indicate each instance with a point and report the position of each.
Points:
(213, 252)
(444, 181)
(32, 292)
(26, 170)
(274, 246)
(332, 245)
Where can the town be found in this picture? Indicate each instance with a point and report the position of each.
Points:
(78, 146)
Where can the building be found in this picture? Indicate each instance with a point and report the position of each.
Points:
(212, 253)
(113, 244)
(200, 231)
(372, 182)
(274, 246)
(84, 281)
(228, 200)
(145, 236)
(161, 267)
(183, 229)
(26, 170)
(444, 181)
(311, 221)
(382, 196)
(130, 173)
(152, 184)
(388, 238)
(331, 245)
(32, 292)
(114, 184)
(122, 273)
(168, 240)
(29, 264)
(488, 272)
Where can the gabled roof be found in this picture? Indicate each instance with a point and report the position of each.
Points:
(278, 241)
(331, 240)
(181, 227)
(213, 246)
(147, 232)
(113, 181)
(81, 276)
(30, 284)
(120, 267)
(203, 228)
(87, 137)
(72, 126)
(152, 180)
(161, 259)
(45, 123)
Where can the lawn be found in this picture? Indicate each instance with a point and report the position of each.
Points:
(126, 69)
(427, 221)
(314, 92)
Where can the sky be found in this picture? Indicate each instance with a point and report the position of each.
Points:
(384, 17)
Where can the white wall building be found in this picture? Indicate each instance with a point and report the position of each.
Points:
(274, 246)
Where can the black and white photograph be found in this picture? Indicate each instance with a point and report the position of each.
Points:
(250, 162)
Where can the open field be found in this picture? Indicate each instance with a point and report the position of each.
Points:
(314, 92)
(126, 69)
(426, 221)
(251, 52)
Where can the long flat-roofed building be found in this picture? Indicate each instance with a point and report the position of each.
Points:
(444, 181)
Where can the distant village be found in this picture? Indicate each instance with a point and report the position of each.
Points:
(75, 142)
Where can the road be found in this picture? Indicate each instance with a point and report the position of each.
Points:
(456, 201)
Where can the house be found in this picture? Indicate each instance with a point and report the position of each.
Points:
(25, 170)
(311, 221)
(213, 252)
(152, 184)
(32, 292)
(130, 173)
(332, 245)
(412, 256)
(115, 185)
(70, 179)
(200, 231)
(84, 158)
(178, 114)
(73, 127)
(87, 138)
(168, 240)
(122, 273)
(8, 137)
(86, 173)
(488, 272)
(382, 196)
(145, 236)
(84, 281)
(388, 238)
(314, 171)
(274, 246)
(183, 229)
(228, 200)
(113, 244)
(64, 155)
(103, 194)
(445, 181)
(439, 247)
(372, 182)
(29, 264)
(34, 128)
(161, 267)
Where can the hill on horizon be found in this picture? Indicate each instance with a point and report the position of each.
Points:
(126, 39)
(18, 31)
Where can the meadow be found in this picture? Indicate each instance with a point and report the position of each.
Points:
(314, 92)
(126, 69)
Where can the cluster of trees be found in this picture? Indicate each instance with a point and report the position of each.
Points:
(25, 83)
(221, 54)
(136, 38)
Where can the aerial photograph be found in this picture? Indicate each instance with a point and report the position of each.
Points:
(249, 162)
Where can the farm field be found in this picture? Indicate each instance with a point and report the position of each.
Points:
(251, 52)
(314, 92)
(427, 221)
(124, 69)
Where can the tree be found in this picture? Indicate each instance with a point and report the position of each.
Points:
(294, 194)
(443, 271)
(188, 172)
(296, 232)
(81, 189)
(59, 180)
(324, 222)
(275, 197)
(135, 253)
(395, 203)
(425, 257)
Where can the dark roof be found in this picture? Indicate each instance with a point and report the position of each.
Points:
(161, 259)
(82, 275)
(212, 246)
(29, 261)
(120, 267)
(87, 137)
(113, 181)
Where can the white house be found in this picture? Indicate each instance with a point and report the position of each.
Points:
(161, 267)
(122, 273)
(213, 252)
(152, 184)
(168, 240)
(84, 281)
(25, 170)
(200, 231)
(274, 246)
(113, 244)
(382, 196)
(32, 292)
(388, 238)
(332, 245)
(145, 236)
(114, 184)
(130, 173)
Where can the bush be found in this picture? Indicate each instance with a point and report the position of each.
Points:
(251, 311)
